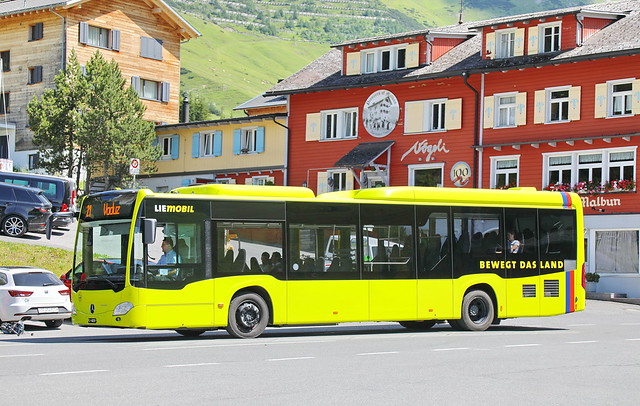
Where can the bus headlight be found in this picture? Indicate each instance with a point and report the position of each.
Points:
(122, 309)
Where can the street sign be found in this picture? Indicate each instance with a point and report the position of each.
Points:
(134, 166)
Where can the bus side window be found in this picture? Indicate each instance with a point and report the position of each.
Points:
(434, 249)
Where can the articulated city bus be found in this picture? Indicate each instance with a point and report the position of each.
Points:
(247, 257)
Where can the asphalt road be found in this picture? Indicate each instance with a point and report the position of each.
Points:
(586, 358)
(62, 238)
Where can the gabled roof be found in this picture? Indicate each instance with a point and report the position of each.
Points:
(461, 30)
(15, 7)
(621, 37)
(263, 101)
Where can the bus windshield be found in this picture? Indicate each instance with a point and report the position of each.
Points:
(101, 254)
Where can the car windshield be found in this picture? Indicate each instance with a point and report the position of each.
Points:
(36, 279)
(101, 255)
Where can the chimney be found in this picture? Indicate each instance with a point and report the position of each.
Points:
(185, 107)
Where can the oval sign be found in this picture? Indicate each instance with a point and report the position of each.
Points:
(380, 113)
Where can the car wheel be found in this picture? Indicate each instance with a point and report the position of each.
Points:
(53, 323)
(14, 226)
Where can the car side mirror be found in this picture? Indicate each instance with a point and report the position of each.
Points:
(149, 230)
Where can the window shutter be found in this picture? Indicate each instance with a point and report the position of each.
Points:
(145, 47)
(195, 145)
(248, 181)
(237, 141)
(217, 143)
(322, 183)
(185, 182)
(155, 142)
(574, 103)
(353, 63)
(157, 49)
(601, 100)
(175, 146)
(453, 114)
(521, 108)
(533, 40)
(414, 117)
(490, 46)
(260, 139)
(165, 91)
(135, 83)
(518, 49)
(349, 181)
(635, 99)
(540, 107)
(84, 32)
(413, 55)
(488, 115)
(115, 40)
(313, 126)
(271, 179)
(232, 181)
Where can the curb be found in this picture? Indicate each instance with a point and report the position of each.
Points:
(613, 297)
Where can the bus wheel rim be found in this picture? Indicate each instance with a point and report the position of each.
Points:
(248, 315)
(478, 310)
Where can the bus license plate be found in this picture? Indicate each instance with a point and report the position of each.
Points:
(48, 310)
(92, 320)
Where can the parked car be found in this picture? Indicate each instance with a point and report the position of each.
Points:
(60, 191)
(23, 209)
(30, 293)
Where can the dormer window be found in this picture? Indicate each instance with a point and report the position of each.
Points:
(506, 40)
(549, 37)
(384, 59)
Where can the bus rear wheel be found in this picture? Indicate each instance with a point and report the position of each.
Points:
(477, 311)
(248, 316)
(418, 325)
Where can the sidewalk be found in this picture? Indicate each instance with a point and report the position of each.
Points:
(613, 297)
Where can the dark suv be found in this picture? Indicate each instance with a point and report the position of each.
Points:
(23, 209)
(60, 191)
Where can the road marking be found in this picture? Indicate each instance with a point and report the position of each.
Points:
(289, 359)
(261, 344)
(581, 325)
(630, 324)
(378, 353)
(20, 355)
(450, 349)
(632, 339)
(521, 345)
(192, 365)
(582, 342)
(90, 371)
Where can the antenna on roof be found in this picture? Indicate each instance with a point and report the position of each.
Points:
(460, 20)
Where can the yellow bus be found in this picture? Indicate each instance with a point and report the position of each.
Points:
(247, 257)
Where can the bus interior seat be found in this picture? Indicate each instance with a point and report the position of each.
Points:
(254, 265)
(240, 263)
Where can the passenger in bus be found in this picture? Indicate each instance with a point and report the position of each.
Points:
(265, 262)
(513, 244)
(183, 250)
(276, 262)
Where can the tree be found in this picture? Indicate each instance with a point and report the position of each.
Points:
(198, 110)
(93, 122)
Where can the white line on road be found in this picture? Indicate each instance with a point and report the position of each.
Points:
(378, 353)
(192, 365)
(521, 345)
(581, 325)
(261, 344)
(451, 349)
(582, 342)
(20, 355)
(290, 359)
(632, 339)
(90, 371)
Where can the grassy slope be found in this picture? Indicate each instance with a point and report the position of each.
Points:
(56, 260)
(229, 67)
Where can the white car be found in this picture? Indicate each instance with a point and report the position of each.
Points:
(29, 293)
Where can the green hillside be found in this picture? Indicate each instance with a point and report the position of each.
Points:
(248, 45)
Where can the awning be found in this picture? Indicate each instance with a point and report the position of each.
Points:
(364, 154)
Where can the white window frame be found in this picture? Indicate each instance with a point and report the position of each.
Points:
(207, 144)
(626, 95)
(413, 168)
(563, 104)
(341, 175)
(510, 108)
(495, 171)
(542, 28)
(249, 140)
(505, 49)
(590, 167)
(259, 180)
(339, 124)
(574, 165)
(441, 124)
(165, 144)
(372, 59)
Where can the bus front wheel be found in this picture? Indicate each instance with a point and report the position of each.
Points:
(477, 311)
(248, 316)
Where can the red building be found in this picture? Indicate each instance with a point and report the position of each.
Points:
(549, 100)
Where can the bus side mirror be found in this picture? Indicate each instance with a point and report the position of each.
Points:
(149, 230)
